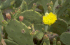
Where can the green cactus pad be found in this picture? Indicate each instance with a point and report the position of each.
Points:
(44, 4)
(53, 1)
(63, 8)
(8, 42)
(65, 38)
(1, 17)
(39, 27)
(7, 4)
(67, 19)
(28, 1)
(0, 37)
(10, 38)
(39, 35)
(32, 16)
(0, 33)
(31, 4)
(26, 22)
(23, 6)
(55, 5)
(19, 32)
(18, 3)
(58, 27)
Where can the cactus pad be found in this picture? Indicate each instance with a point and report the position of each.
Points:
(19, 32)
(7, 4)
(1, 17)
(58, 27)
(32, 16)
(8, 42)
(0, 33)
(65, 38)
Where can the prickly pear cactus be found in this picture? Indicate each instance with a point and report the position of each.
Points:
(24, 24)
(27, 22)
(31, 16)
(28, 1)
(44, 4)
(7, 4)
(31, 4)
(63, 8)
(0, 33)
(1, 17)
(39, 27)
(17, 3)
(66, 16)
(39, 35)
(23, 6)
(58, 27)
(46, 41)
(9, 42)
(65, 38)
(19, 32)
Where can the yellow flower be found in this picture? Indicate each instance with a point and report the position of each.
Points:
(49, 18)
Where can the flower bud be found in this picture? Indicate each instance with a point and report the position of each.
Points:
(51, 3)
(21, 18)
(8, 16)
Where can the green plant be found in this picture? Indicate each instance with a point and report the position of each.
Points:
(24, 22)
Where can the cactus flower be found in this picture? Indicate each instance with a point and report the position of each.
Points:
(21, 18)
(49, 18)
